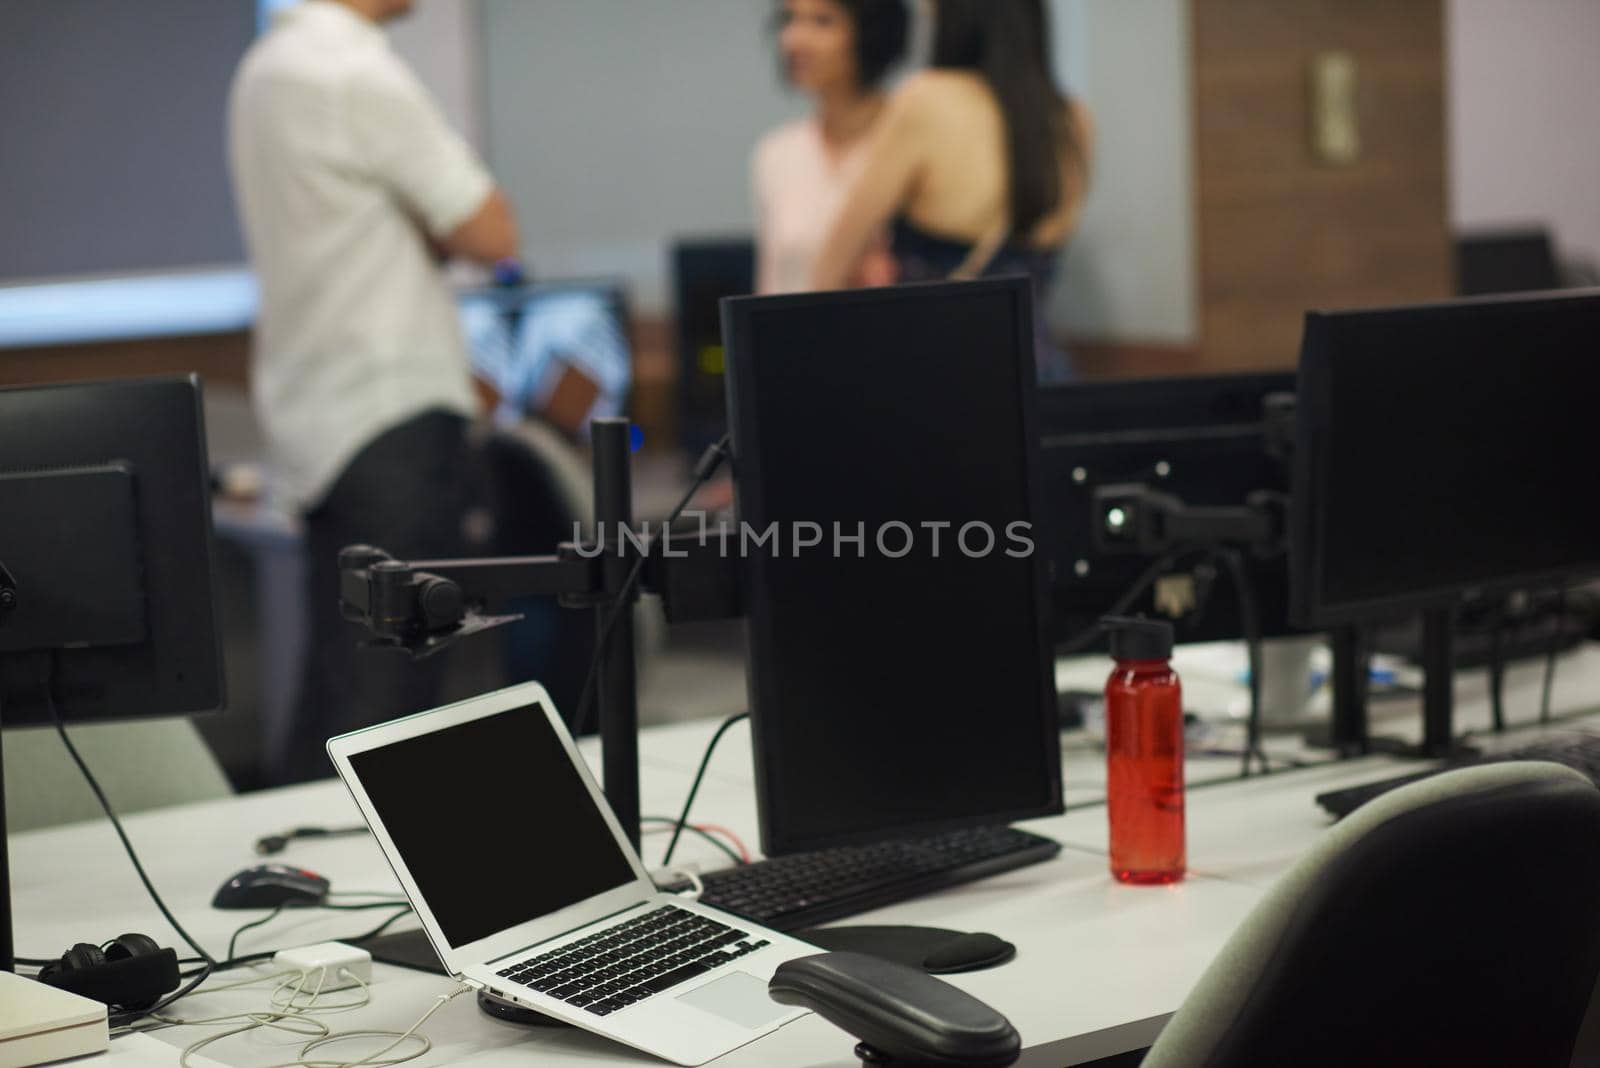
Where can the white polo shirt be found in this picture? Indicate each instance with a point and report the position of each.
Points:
(341, 162)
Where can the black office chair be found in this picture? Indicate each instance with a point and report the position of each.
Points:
(535, 491)
(1455, 921)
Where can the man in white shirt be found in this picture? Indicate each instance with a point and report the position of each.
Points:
(352, 188)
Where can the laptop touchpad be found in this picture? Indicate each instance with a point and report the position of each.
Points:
(739, 998)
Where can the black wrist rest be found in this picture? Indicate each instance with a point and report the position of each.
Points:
(904, 1015)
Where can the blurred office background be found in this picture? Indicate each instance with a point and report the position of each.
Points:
(1255, 158)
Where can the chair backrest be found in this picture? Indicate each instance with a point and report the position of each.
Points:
(1454, 921)
(538, 486)
(538, 490)
(141, 764)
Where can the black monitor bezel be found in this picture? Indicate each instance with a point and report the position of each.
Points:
(138, 399)
(1309, 605)
(745, 437)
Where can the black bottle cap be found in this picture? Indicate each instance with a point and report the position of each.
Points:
(1139, 639)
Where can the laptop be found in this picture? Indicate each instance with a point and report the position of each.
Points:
(528, 889)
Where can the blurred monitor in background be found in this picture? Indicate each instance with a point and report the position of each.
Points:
(1505, 261)
(555, 350)
(703, 273)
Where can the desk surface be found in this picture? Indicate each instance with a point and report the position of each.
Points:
(1100, 968)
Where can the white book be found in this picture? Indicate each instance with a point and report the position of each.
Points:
(40, 1024)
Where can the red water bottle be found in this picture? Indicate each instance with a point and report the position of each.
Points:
(1144, 754)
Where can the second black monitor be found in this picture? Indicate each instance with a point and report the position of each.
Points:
(1444, 450)
(901, 681)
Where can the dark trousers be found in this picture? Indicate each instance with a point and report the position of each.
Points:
(406, 492)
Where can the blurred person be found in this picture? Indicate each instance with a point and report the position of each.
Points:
(352, 188)
(838, 53)
(979, 166)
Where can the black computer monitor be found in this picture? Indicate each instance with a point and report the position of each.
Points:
(1211, 442)
(903, 682)
(1443, 450)
(704, 272)
(105, 526)
(105, 541)
(1491, 262)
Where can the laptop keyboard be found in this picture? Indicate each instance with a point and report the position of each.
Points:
(625, 964)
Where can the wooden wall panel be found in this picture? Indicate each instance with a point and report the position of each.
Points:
(1279, 231)
(222, 359)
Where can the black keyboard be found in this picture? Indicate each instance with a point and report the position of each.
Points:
(1577, 750)
(625, 964)
(805, 889)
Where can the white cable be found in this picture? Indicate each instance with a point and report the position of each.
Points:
(275, 1020)
(173, 1021)
(375, 1060)
(697, 888)
(291, 1007)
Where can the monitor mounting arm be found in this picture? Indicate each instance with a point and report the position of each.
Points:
(1134, 517)
(422, 606)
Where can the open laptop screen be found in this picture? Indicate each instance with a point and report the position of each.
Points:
(493, 822)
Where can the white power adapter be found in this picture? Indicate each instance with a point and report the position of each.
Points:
(329, 965)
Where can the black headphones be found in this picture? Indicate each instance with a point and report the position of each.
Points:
(129, 972)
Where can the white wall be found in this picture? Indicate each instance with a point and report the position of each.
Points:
(1524, 136)
(618, 125)
(1129, 273)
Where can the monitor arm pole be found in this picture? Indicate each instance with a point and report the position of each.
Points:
(8, 604)
(1438, 683)
(1351, 673)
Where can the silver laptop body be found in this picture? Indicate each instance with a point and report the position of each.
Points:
(527, 887)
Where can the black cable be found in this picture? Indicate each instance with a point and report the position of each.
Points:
(382, 927)
(289, 907)
(1146, 579)
(105, 805)
(402, 910)
(732, 853)
(694, 788)
(704, 468)
(1250, 620)
(269, 844)
(1497, 670)
(233, 940)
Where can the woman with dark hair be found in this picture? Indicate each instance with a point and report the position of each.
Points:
(838, 53)
(979, 165)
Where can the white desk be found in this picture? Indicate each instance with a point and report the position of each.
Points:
(1100, 968)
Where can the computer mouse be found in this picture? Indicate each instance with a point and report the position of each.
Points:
(266, 886)
(968, 953)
